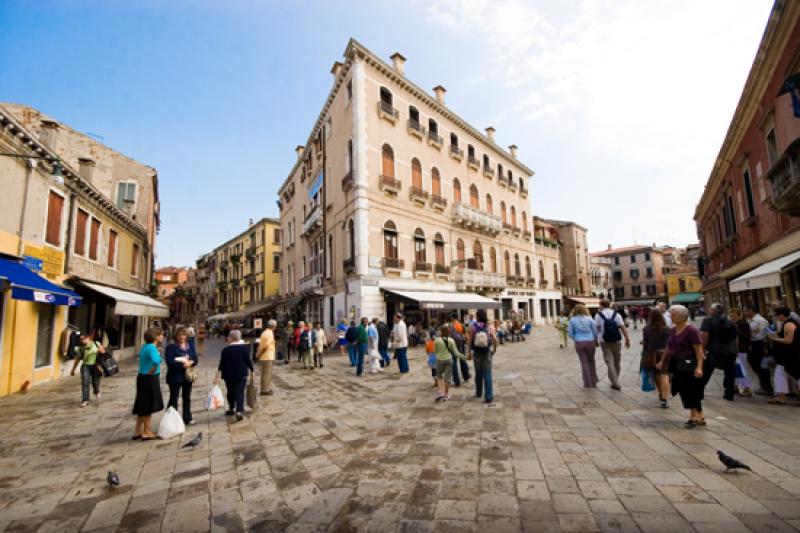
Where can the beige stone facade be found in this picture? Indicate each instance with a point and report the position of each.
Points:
(574, 250)
(393, 191)
(601, 277)
(638, 274)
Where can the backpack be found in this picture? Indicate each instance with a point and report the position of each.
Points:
(430, 346)
(351, 335)
(458, 338)
(481, 337)
(611, 331)
(305, 341)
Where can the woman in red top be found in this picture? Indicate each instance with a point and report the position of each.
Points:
(685, 347)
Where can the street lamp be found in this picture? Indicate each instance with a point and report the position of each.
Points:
(56, 173)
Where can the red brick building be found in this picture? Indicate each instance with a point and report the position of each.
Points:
(747, 219)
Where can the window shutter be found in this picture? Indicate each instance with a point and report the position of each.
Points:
(94, 237)
(55, 207)
(112, 247)
(80, 232)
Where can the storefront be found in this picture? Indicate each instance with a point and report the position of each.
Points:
(767, 283)
(429, 307)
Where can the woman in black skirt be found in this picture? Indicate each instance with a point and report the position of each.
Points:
(148, 390)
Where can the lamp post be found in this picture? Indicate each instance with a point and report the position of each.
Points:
(57, 172)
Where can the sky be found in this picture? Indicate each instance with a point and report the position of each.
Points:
(619, 106)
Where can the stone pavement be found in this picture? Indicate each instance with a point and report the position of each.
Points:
(330, 452)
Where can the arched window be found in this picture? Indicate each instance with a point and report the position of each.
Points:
(471, 151)
(454, 140)
(460, 253)
(351, 240)
(485, 161)
(555, 275)
(413, 115)
(507, 263)
(474, 201)
(477, 253)
(528, 272)
(521, 184)
(350, 155)
(420, 254)
(389, 240)
(493, 259)
(416, 174)
(517, 269)
(510, 177)
(513, 216)
(489, 206)
(438, 245)
(456, 191)
(388, 161)
(524, 221)
(541, 272)
(433, 127)
(386, 96)
(436, 182)
(499, 171)
(503, 212)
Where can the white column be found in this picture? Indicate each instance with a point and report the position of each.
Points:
(360, 173)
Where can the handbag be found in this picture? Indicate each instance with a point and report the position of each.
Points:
(109, 365)
(685, 364)
(190, 374)
(648, 383)
(251, 394)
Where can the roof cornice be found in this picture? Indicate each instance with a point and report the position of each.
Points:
(262, 221)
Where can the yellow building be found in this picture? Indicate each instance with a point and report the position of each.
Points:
(684, 288)
(247, 271)
(56, 227)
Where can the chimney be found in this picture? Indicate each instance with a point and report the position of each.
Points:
(513, 150)
(609, 247)
(86, 168)
(490, 133)
(336, 68)
(439, 91)
(398, 62)
(299, 149)
(48, 132)
(249, 222)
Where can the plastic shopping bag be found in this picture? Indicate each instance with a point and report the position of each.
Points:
(251, 393)
(215, 399)
(648, 383)
(171, 424)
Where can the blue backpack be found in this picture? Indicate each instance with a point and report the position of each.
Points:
(611, 332)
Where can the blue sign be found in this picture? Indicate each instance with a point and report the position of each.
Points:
(316, 186)
(33, 263)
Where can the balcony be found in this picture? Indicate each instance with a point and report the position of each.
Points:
(475, 219)
(784, 177)
(478, 279)
(422, 269)
(511, 279)
(223, 265)
(512, 185)
(387, 112)
(435, 140)
(311, 284)
(502, 181)
(313, 221)
(488, 172)
(438, 202)
(347, 181)
(543, 284)
(523, 192)
(250, 279)
(530, 281)
(507, 228)
(349, 265)
(222, 285)
(250, 253)
(418, 195)
(526, 234)
(415, 128)
(393, 264)
(473, 163)
(456, 152)
(236, 257)
(516, 231)
(547, 243)
(390, 185)
(441, 270)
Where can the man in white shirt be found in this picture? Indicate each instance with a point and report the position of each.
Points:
(400, 342)
(661, 306)
(758, 336)
(611, 338)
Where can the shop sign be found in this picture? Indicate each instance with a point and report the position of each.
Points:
(52, 260)
(33, 263)
(432, 305)
(257, 323)
(43, 297)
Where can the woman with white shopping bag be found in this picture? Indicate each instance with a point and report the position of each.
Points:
(743, 385)
(372, 343)
(148, 390)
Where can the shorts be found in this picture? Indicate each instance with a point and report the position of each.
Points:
(444, 370)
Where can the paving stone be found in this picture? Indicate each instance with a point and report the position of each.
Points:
(705, 512)
(570, 504)
(455, 510)
(533, 490)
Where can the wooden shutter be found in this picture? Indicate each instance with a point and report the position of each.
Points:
(112, 247)
(456, 191)
(416, 174)
(388, 162)
(94, 237)
(134, 259)
(55, 207)
(473, 197)
(436, 183)
(80, 232)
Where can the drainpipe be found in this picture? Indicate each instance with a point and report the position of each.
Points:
(30, 167)
(324, 223)
(68, 241)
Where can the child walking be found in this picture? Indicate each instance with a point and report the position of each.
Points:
(430, 350)
(445, 351)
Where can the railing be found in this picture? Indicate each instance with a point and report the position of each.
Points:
(347, 181)
(488, 171)
(784, 177)
(439, 202)
(313, 220)
(349, 265)
(474, 163)
(474, 218)
(250, 279)
(415, 128)
(250, 253)
(523, 191)
(526, 234)
(418, 194)
(543, 284)
(502, 180)
(388, 112)
(393, 263)
(508, 227)
(311, 282)
(546, 242)
(235, 258)
(466, 277)
(456, 152)
(422, 267)
(512, 185)
(390, 184)
(530, 281)
(435, 139)
(511, 279)
(441, 269)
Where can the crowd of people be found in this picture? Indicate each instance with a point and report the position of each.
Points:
(679, 359)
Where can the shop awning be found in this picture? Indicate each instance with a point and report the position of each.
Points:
(129, 303)
(221, 316)
(30, 286)
(446, 300)
(766, 276)
(635, 302)
(591, 303)
(687, 298)
(249, 310)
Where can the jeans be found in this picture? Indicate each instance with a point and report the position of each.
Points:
(352, 353)
(362, 351)
(456, 377)
(288, 353)
(235, 389)
(384, 356)
(185, 389)
(612, 351)
(464, 369)
(483, 375)
(89, 373)
(401, 354)
(727, 363)
(754, 358)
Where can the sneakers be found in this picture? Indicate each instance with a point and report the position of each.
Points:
(84, 403)
(229, 413)
(439, 398)
(746, 393)
(97, 396)
(191, 422)
(616, 387)
(239, 417)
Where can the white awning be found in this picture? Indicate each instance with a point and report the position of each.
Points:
(447, 300)
(766, 276)
(591, 303)
(129, 303)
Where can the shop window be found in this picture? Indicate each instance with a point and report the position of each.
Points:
(44, 335)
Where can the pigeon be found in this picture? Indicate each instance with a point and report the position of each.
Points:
(195, 441)
(112, 479)
(730, 463)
